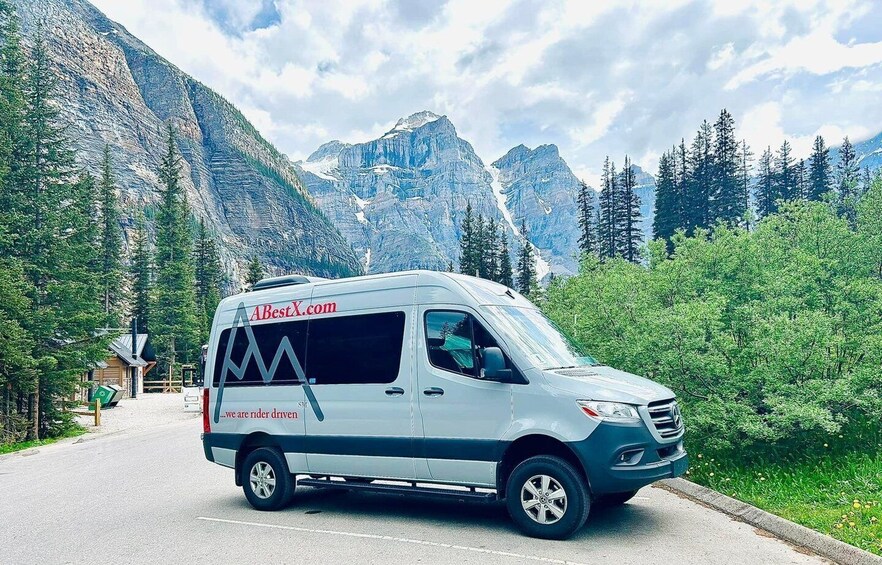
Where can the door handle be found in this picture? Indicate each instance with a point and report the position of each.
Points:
(433, 391)
(394, 391)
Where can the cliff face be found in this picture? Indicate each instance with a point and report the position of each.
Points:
(540, 188)
(399, 199)
(113, 89)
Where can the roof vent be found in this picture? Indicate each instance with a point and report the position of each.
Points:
(285, 280)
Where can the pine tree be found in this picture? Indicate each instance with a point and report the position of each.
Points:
(255, 271)
(141, 271)
(726, 203)
(847, 177)
(467, 244)
(820, 174)
(765, 186)
(208, 274)
(629, 214)
(173, 318)
(52, 215)
(785, 175)
(490, 251)
(587, 229)
(526, 277)
(681, 184)
(667, 218)
(608, 226)
(480, 248)
(111, 241)
(700, 186)
(866, 182)
(745, 161)
(801, 179)
(505, 270)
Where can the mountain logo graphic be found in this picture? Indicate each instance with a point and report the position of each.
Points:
(240, 322)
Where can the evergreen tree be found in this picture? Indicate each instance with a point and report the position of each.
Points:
(629, 215)
(490, 251)
(526, 278)
(111, 241)
(866, 182)
(745, 159)
(801, 179)
(820, 174)
(784, 186)
(467, 244)
(700, 185)
(765, 186)
(847, 178)
(681, 184)
(255, 271)
(726, 201)
(608, 225)
(141, 271)
(505, 270)
(173, 318)
(52, 216)
(480, 248)
(208, 274)
(667, 217)
(588, 231)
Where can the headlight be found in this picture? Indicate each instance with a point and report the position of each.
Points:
(612, 411)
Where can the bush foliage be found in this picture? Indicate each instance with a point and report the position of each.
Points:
(771, 338)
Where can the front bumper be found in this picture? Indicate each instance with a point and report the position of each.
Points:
(625, 457)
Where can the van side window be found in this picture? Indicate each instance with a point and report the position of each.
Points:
(268, 338)
(449, 341)
(362, 349)
(455, 341)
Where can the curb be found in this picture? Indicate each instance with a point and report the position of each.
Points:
(824, 546)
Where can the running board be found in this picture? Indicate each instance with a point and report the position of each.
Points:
(470, 495)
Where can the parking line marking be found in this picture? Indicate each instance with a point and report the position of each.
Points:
(393, 538)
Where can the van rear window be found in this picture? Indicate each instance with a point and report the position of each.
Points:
(357, 349)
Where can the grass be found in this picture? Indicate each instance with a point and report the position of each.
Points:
(72, 431)
(839, 495)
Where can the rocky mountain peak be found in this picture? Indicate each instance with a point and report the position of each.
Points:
(327, 150)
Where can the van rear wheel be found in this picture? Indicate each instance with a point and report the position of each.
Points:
(547, 498)
(265, 479)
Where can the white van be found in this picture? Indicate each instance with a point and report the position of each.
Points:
(419, 382)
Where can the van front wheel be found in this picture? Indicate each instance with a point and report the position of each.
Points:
(265, 479)
(547, 498)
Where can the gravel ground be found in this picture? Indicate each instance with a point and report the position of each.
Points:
(134, 414)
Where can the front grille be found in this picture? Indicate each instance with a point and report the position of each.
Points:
(665, 415)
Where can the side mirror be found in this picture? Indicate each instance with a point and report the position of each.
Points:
(493, 365)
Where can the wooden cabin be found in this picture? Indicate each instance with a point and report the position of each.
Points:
(117, 368)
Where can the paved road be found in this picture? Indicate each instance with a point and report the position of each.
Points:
(170, 506)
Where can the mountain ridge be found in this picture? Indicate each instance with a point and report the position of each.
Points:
(118, 91)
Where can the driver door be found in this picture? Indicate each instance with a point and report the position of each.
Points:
(463, 417)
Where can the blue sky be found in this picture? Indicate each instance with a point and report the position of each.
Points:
(595, 78)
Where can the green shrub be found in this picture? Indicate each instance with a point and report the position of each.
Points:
(772, 339)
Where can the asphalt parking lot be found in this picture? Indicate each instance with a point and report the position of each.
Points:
(147, 495)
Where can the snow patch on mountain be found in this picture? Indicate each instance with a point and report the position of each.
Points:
(412, 122)
(321, 168)
(501, 198)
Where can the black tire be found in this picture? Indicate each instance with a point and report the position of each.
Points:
(273, 481)
(568, 511)
(615, 499)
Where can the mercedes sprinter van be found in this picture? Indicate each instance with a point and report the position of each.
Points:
(427, 383)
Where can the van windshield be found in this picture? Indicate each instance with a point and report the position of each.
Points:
(541, 340)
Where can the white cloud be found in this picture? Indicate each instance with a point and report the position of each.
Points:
(596, 78)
